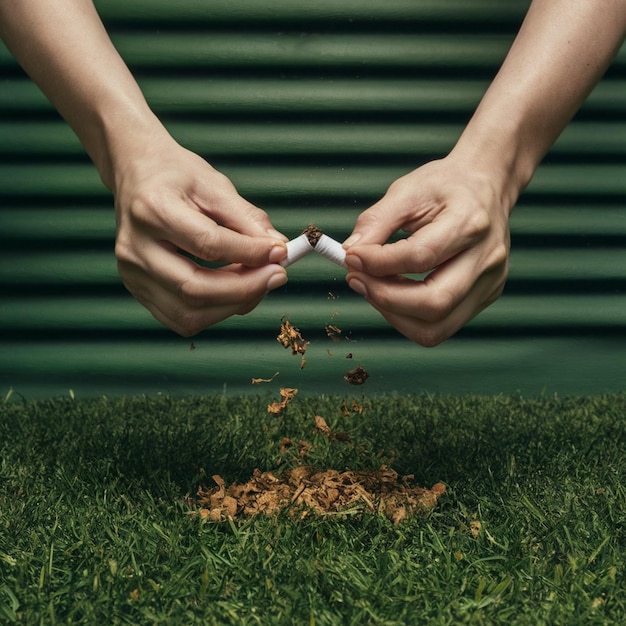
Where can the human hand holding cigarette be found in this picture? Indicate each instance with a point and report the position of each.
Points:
(314, 240)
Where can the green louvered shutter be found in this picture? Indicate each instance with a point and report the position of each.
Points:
(312, 109)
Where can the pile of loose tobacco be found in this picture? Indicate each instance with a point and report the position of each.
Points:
(303, 491)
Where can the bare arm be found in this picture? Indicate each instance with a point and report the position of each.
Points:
(166, 197)
(457, 209)
(562, 50)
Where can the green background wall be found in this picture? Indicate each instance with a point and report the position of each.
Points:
(312, 110)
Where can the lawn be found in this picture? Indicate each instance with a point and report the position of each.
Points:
(96, 528)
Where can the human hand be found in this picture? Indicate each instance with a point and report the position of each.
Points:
(458, 225)
(170, 200)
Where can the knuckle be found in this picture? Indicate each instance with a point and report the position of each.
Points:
(439, 305)
(124, 252)
(188, 322)
(207, 244)
(431, 338)
(478, 224)
(190, 295)
(370, 219)
(143, 205)
(499, 257)
(255, 214)
(398, 186)
(428, 336)
(421, 258)
(187, 327)
(248, 306)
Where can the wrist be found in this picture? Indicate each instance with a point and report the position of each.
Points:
(120, 137)
(499, 155)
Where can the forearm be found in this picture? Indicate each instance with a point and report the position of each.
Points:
(562, 50)
(65, 49)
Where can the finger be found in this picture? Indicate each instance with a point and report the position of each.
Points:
(182, 224)
(196, 285)
(188, 318)
(439, 294)
(430, 333)
(186, 323)
(201, 236)
(430, 246)
(241, 216)
(217, 197)
(376, 224)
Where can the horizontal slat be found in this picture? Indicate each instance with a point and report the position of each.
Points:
(305, 96)
(83, 268)
(247, 11)
(215, 49)
(301, 181)
(349, 312)
(592, 220)
(318, 96)
(568, 366)
(258, 96)
(88, 224)
(43, 225)
(247, 139)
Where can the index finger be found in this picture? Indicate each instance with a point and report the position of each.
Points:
(422, 251)
(200, 235)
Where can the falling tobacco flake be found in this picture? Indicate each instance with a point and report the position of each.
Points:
(290, 337)
(303, 490)
(303, 446)
(287, 395)
(357, 376)
(323, 428)
(258, 381)
(355, 407)
(475, 528)
(334, 332)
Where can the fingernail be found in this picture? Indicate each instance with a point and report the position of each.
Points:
(276, 280)
(277, 253)
(351, 240)
(356, 285)
(354, 262)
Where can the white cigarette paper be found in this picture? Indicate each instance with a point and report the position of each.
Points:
(332, 250)
(296, 249)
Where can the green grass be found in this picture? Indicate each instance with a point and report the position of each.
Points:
(94, 528)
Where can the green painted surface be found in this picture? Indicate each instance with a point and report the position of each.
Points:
(312, 110)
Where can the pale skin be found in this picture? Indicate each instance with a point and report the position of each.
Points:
(166, 197)
(455, 210)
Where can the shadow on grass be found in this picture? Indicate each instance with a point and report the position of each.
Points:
(160, 441)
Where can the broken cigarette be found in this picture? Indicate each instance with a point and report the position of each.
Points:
(313, 239)
(296, 249)
(332, 250)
